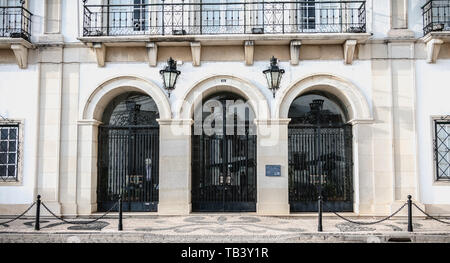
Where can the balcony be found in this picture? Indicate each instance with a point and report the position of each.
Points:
(436, 16)
(215, 23)
(237, 18)
(15, 32)
(15, 22)
(436, 26)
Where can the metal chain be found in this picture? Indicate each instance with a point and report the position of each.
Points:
(79, 222)
(432, 217)
(368, 223)
(12, 220)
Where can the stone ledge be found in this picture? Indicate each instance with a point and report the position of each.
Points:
(6, 42)
(213, 40)
(443, 35)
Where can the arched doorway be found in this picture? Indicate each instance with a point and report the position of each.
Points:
(128, 153)
(320, 153)
(224, 155)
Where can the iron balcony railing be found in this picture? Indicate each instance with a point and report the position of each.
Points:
(436, 16)
(15, 22)
(209, 18)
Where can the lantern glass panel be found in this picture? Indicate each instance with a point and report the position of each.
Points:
(173, 79)
(275, 79)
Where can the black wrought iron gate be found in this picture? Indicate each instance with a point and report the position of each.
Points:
(331, 172)
(128, 166)
(224, 173)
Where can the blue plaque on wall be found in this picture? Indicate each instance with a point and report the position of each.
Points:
(273, 170)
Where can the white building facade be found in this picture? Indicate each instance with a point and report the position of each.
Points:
(86, 117)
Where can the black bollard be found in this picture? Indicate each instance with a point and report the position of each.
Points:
(320, 228)
(120, 214)
(38, 213)
(410, 224)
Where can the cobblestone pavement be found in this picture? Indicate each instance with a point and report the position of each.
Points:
(223, 228)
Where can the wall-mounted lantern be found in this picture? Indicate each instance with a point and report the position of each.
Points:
(274, 75)
(170, 75)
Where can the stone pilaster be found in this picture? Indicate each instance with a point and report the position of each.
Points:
(382, 136)
(399, 14)
(175, 167)
(363, 167)
(87, 166)
(272, 149)
(69, 138)
(399, 20)
(52, 21)
(404, 105)
(50, 104)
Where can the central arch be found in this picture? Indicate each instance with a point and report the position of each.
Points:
(239, 89)
(223, 83)
(224, 155)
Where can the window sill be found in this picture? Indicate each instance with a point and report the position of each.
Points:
(10, 182)
(442, 182)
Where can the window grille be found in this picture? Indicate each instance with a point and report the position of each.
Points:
(9, 152)
(442, 148)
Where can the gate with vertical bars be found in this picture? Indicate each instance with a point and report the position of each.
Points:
(332, 172)
(128, 166)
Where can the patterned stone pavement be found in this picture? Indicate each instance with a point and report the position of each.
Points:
(223, 228)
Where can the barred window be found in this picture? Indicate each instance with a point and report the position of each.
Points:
(442, 148)
(9, 152)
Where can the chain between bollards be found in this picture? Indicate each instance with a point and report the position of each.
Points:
(409, 203)
(410, 224)
(120, 213)
(38, 213)
(320, 206)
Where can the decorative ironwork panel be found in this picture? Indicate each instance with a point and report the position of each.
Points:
(234, 17)
(15, 22)
(442, 148)
(436, 16)
(9, 152)
(331, 171)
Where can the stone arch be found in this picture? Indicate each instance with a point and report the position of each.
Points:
(356, 104)
(108, 90)
(221, 83)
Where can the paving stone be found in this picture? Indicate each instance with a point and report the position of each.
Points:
(224, 228)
